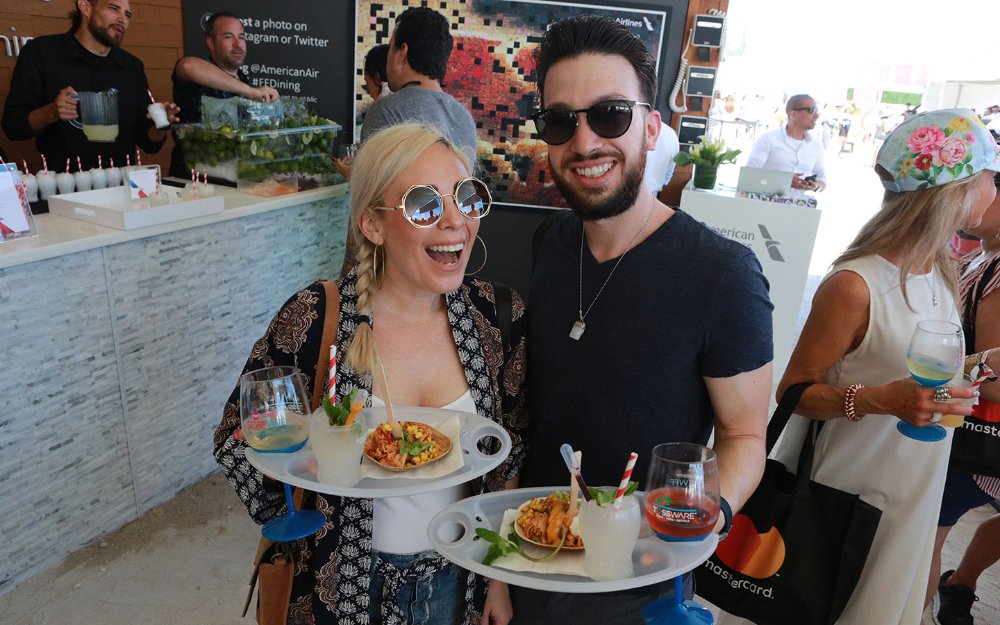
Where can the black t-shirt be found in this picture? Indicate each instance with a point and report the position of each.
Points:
(683, 304)
(187, 95)
(50, 63)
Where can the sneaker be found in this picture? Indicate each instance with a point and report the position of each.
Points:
(956, 602)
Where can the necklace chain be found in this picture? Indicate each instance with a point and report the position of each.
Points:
(579, 326)
(934, 297)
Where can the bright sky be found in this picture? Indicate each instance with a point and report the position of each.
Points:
(819, 46)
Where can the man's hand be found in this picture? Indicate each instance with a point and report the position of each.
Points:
(64, 106)
(172, 112)
(267, 94)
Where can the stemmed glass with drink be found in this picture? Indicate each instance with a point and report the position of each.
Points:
(274, 415)
(682, 505)
(934, 357)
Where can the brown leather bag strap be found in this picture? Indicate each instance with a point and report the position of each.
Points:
(331, 323)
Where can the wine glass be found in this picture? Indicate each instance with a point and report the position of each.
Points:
(934, 357)
(274, 414)
(682, 505)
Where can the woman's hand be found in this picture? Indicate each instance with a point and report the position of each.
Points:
(498, 609)
(911, 402)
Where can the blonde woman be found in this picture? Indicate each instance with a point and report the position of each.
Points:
(937, 169)
(408, 307)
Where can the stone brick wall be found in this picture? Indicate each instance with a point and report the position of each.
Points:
(155, 35)
(116, 363)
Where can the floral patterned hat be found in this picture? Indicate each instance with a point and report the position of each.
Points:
(934, 148)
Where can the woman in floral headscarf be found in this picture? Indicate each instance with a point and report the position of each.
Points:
(936, 169)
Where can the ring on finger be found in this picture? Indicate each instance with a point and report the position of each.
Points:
(936, 417)
(942, 394)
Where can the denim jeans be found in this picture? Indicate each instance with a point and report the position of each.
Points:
(426, 589)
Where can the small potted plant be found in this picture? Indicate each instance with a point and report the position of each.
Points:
(706, 156)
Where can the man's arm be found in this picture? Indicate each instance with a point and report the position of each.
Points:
(820, 170)
(759, 152)
(741, 404)
(27, 111)
(201, 72)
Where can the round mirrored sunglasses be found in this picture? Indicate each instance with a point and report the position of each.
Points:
(423, 206)
(610, 119)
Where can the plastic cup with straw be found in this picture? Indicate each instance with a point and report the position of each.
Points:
(157, 112)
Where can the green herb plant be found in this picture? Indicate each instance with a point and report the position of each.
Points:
(337, 413)
(708, 152)
(412, 447)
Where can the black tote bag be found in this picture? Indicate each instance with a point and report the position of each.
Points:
(796, 548)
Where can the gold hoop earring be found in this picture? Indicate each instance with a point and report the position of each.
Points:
(376, 277)
(486, 255)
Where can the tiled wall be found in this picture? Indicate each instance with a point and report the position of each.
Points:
(110, 393)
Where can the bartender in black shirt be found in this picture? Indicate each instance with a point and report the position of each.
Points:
(218, 75)
(53, 68)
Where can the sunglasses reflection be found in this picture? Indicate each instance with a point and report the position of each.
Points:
(423, 205)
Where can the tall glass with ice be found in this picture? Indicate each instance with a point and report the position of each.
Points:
(609, 536)
(338, 450)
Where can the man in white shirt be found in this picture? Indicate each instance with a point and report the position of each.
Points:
(792, 148)
(660, 161)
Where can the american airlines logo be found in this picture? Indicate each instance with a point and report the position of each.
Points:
(771, 245)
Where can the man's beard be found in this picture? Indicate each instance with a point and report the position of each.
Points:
(104, 36)
(591, 208)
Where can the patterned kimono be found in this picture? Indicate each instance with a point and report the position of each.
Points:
(332, 576)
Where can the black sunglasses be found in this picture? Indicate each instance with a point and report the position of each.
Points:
(812, 109)
(610, 119)
(423, 206)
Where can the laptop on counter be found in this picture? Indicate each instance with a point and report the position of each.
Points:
(758, 180)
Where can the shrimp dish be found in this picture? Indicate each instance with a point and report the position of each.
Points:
(420, 445)
(544, 520)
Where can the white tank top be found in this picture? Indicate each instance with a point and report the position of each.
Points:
(400, 523)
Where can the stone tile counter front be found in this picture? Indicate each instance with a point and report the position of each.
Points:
(120, 349)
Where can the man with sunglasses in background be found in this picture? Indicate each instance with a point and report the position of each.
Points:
(792, 148)
(419, 49)
(645, 327)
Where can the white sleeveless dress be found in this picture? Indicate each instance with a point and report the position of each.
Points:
(902, 477)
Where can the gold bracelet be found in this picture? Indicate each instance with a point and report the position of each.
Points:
(849, 410)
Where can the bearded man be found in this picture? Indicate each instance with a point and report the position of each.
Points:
(646, 327)
(52, 69)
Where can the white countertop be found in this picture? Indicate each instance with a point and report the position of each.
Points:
(58, 236)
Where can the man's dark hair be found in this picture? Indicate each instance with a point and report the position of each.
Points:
(428, 39)
(76, 18)
(376, 60)
(210, 22)
(796, 101)
(595, 34)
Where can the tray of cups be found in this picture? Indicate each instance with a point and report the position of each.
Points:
(652, 560)
(345, 468)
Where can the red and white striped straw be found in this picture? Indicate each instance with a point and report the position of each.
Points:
(331, 387)
(625, 478)
(67, 164)
(79, 165)
(25, 163)
(45, 164)
(204, 177)
(194, 178)
(128, 161)
(112, 160)
(151, 99)
(138, 158)
(100, 165)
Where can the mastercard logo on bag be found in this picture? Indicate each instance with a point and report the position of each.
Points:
(752, 554)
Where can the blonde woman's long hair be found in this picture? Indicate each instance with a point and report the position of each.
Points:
(383, 157)
(917, 226)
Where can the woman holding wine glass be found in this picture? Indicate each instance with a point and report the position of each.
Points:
(409, 320)
(937, 169)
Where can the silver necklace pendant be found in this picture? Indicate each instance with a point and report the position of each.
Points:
(934, 299)
(579, 327)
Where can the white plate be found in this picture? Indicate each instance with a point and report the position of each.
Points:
(299, 468)
(654, 560)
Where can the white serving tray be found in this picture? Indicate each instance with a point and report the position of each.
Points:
(113, 208)
(654, 560)
(299, 468)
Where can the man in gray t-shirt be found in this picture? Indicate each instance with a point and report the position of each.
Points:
(419, 49)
